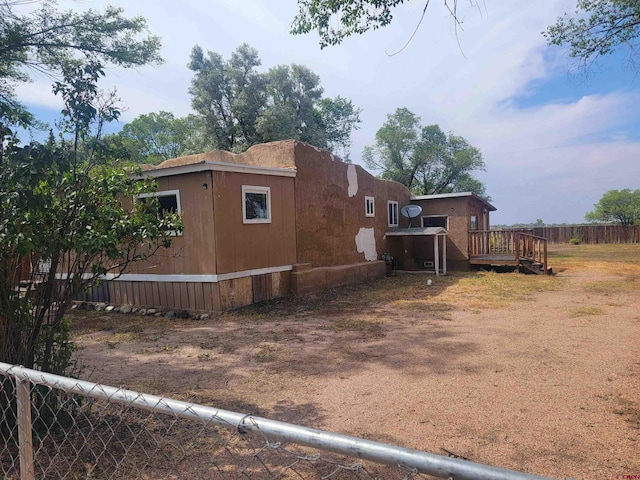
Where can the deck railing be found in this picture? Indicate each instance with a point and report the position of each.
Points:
(524, 247)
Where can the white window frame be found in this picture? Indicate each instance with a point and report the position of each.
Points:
(369, 206)
(435, 216)
(166, 193)
(259, 190)
(392, 213)
(471, 222)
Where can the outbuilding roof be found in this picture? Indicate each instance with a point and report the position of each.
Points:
(455, 195)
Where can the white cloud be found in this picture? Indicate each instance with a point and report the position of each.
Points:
(506, 59)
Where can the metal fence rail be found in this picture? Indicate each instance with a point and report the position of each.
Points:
(62, 428)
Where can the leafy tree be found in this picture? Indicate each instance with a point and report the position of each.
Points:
(47, 39)
(339, 117)
(621, 206)
(156, 137)
(228, 95)
(337, 19)
(597, 28)
(62, 212)
(241, 106)
(292, 93)
(425, 159)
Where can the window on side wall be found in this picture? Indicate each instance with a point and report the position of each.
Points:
(168, 202)
(436, 221)
(369, 207)
(392, 211)
(474, 222)
(256, 204)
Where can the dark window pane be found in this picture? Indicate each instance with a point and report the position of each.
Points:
(434, 222)
(168, 203)
(256, 205)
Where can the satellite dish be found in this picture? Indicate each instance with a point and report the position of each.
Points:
(411, 211)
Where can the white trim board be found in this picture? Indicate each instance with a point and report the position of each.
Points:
(152, 277)
(218, 167)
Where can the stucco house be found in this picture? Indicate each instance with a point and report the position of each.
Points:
(286, 217)
(282, 217)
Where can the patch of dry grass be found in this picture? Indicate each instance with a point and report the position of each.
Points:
(370, 326)
(267, 352)
(611, 258)
(588, 311)
(480, 290)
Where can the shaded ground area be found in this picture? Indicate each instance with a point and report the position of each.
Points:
(532, 373)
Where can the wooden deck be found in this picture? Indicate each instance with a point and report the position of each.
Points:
(497, 260)
(508, 248)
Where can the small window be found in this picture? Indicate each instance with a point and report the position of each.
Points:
(256, 204)
(474, 222)
(168, 202)
(392, 210)
(436, 221)
(369, 207)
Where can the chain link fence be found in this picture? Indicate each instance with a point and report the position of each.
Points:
(54, 427)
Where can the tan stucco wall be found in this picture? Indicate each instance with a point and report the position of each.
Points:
(243, 246)
(330, 215)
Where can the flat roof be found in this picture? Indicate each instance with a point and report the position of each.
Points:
(217, 167)
(454, 195)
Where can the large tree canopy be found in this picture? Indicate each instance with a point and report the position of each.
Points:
(598, 27)
(241, 106)
(155, 137)
(622, 206)
(46, 40)
(334, 20)
(424, 158)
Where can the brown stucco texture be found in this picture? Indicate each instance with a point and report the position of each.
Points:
(273, 155)
(327, 218)
(459, 210)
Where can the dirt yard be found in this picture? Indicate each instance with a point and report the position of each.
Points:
(532, 373)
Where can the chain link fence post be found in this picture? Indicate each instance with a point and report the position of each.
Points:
(25, 441)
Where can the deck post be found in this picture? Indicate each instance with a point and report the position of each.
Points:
(436, 255)
(444, 254)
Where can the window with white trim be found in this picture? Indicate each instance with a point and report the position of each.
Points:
(256, 204)
(168, 202)
(392, 213)
(473, 222)
(369, 207)
(435, 221)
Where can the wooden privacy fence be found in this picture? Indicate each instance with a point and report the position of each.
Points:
(589, 234)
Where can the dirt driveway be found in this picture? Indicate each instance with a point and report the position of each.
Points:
(532, 373)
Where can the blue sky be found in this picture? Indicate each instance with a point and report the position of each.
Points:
(553, 140)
